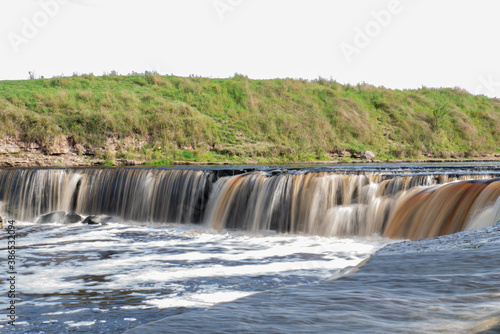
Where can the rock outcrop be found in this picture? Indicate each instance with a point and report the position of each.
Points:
(99, 220)
(59, 217)
(367, 155)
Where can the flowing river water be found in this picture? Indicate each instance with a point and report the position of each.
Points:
(167, 243)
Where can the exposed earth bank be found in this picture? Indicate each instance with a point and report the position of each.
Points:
(15, 153)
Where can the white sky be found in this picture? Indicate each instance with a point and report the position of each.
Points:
(435, 43)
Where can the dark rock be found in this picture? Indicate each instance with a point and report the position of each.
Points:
(59, 217)
(52, 217)
(91, 220)
(99, 220)
(72, 218)
(355, 155)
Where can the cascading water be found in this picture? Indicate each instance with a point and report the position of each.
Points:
(326, 203)
(441, 210)
(109, 277)
(330, 204)
(157, 195)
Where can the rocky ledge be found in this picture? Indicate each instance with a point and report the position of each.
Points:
(62, 153)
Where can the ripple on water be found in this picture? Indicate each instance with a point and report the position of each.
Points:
(80, 278)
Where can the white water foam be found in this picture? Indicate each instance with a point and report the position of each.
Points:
(200, 299)
(80, 324)
(164, 267)
(57, 256)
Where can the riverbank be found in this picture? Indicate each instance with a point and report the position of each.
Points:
(18, 154)
(34, 158)
(166, 120)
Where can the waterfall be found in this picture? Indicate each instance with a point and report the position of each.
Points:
(150, 195)
(330, 203)
(440, 210)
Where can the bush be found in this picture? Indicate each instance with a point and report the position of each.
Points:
(187, 154)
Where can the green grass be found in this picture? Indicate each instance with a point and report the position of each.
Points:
(240, 120)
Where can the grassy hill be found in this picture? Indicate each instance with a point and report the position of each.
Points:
(158, 118)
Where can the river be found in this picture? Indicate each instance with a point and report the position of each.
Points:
(167, 243)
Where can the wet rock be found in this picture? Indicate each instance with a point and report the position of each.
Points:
(367, 155)
(59, 217)
(1, 223)
(91, 220)
(52, 217)
(72, 218)
(99, 220)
